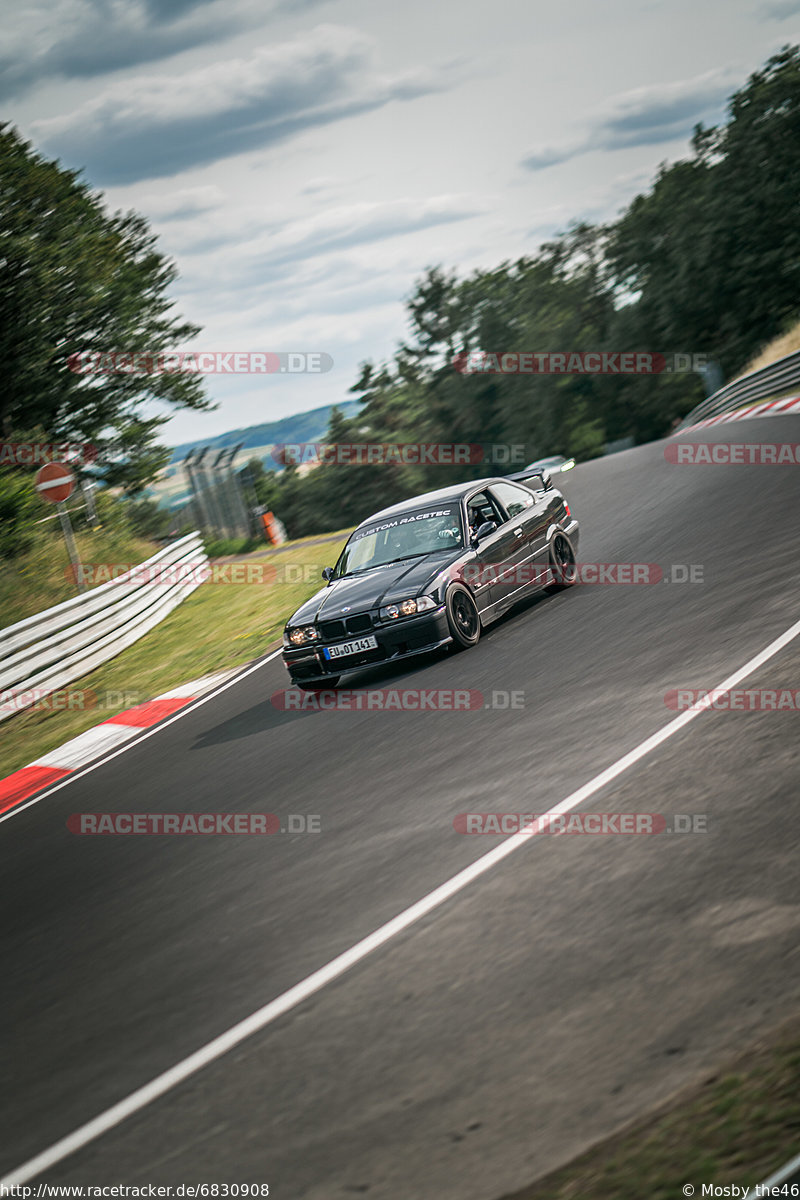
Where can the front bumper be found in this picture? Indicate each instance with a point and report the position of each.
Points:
(406, 637)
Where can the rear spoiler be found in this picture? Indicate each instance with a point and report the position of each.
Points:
(521, 476)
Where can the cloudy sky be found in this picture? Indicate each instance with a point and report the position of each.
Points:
(304, 160)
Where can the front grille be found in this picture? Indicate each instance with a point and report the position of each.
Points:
(359, 623)
(331, 630)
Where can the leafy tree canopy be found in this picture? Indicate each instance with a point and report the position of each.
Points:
(76, 280)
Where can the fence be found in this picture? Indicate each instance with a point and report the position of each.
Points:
(53, 648)
(774, 380)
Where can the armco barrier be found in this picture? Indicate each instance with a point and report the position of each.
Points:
(786, 1181)
(776, 379)
(55, 647)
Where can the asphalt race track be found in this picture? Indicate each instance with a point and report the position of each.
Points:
(559, 995)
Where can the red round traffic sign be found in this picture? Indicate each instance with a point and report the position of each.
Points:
(54, 482)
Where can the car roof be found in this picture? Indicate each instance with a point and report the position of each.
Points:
(453, 494)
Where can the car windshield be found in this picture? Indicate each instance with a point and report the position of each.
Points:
(407, 535)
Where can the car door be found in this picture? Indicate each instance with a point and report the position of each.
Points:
(526, 516)
(492, 552)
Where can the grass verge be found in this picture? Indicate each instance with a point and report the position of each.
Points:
(41, 577)
(220, 625)
(788, 343)
(737, 1127)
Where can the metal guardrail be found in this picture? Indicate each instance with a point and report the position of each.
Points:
(53, 648)
(767, 382)
(788, 1174)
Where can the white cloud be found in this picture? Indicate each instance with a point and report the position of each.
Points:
(646, 116)
(178, 204)
(779, 10)
(161, 125)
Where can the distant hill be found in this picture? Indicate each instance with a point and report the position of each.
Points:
(171, 490)
(303, 427)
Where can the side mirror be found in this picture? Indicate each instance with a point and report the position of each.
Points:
(483, 531)
(327, 573)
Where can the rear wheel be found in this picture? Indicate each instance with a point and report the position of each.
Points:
(562, 563)
(463, 619)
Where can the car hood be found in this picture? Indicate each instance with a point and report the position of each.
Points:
(371, 589)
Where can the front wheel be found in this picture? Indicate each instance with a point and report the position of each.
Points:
(562, 563)
(463, 620)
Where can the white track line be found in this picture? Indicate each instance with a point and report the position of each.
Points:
(182, 712)
(344, 962)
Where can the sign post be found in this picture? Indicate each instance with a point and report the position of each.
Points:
(54, 483)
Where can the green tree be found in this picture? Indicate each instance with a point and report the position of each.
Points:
(76, 280)
(19, 507)
(146, 519)
(711, 254)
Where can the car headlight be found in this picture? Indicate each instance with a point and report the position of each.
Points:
(407, 608)
(301, 635)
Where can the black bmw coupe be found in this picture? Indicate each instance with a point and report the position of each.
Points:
(429, 572)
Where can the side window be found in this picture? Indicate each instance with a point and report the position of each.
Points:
(480, 508)
(513, 499)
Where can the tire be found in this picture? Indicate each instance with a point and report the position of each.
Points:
(316, 685)
(562, 564)
(463, 619)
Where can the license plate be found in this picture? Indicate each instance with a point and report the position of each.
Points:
(356, 647)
